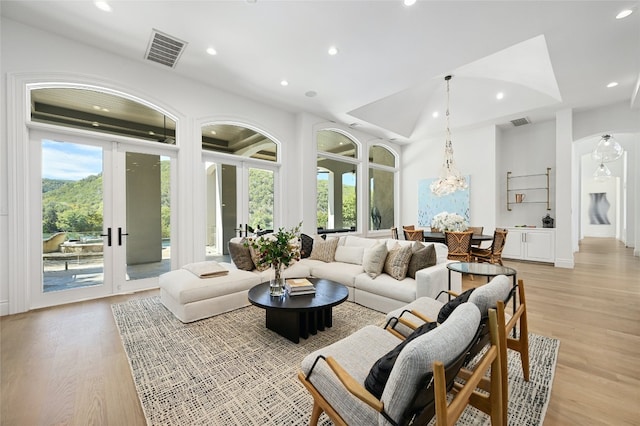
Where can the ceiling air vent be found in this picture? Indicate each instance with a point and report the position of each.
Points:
(164, 49)
(520, 121)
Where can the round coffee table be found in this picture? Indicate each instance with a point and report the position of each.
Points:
(294, 317)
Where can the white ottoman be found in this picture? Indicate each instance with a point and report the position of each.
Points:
(191, 298)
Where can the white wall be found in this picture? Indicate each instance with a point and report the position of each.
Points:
(475, 155)
(526, 150)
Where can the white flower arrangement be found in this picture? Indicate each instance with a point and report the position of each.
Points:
(452, 222)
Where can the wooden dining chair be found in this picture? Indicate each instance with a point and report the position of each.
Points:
(406, 228)
(477, 230)
(414, 234)
(459, 245)
(394, 233)
(492, 254)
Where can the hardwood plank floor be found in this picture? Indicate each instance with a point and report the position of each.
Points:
(66, 365)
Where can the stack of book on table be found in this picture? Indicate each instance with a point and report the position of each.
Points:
(299, 286)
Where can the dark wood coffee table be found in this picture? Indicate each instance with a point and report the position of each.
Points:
(294, 317)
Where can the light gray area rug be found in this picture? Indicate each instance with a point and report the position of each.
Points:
(231, 370)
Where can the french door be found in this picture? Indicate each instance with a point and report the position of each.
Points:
(104, 216)
(240, 199)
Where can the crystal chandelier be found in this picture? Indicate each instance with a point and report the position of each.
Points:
(607, 150)
(450, 179)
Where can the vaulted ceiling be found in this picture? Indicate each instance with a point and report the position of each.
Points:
(388, 75)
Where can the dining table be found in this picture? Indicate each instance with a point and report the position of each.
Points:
(438, 237)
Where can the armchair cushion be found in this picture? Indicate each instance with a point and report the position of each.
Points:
(422, 257)
(486, 297)
(379, 373)
(450, 306)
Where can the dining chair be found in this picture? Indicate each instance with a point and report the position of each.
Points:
(394, 232)
(406, 228)
(477, 230)
(492, 254)
(459, 245)
(414, 234)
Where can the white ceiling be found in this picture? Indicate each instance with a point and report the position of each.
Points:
(388, 77)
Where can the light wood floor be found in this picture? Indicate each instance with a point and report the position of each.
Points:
(66, 365)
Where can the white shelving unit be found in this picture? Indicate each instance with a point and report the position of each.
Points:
(535, 186)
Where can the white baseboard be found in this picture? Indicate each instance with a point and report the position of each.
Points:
(564, 263)
(4, 308)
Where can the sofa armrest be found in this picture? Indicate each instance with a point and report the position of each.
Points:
(434, 279)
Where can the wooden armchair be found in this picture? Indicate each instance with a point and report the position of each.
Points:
(335, 375)
(494, 253)
(459, 244)
(494, 294)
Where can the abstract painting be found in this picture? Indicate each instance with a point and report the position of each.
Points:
(430, 204)
(598, 208)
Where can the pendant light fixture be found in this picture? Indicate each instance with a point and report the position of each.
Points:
(450, 179)
(607, 150)
(602, 173)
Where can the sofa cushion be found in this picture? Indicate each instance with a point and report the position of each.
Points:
(343, 273)
(324, 250)
(354, 241)
(397, 261)
(184, 287)
(373, 260)
(241, 255)
(385, 286)
(255, 256)
(349, 254)
(422, 257)
(306, 246)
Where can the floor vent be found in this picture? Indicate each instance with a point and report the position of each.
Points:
(164, 49)
(520, 121)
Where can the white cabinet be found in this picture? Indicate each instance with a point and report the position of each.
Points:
(537, 244)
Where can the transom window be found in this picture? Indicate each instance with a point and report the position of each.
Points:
(238, 140)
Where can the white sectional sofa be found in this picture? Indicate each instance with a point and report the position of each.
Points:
(191, 298)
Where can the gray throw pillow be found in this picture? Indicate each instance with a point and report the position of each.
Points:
(324, 250)
(241, 256)
(421, 258)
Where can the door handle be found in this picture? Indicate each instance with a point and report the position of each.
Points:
(108, 235)
(120, 234)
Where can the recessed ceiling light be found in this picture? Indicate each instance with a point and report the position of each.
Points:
(213, 132)
(499, 95)
(95, 124)
(612, 84)
(103, 5)
(284, 83)
(624, 13)
(211, 51)
(311, 94)
(97, 107)
(409, 2)
(333, 51)
(151, 133)
(435, 114)
(104, 109)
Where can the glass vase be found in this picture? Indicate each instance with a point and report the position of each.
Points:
(276, 285)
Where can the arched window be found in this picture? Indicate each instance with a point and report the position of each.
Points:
(238, 140)
(382, 172)
(337, 182)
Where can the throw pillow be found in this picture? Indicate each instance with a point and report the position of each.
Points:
(397, 261)
(422, 257)
(450, 306)
(349, 254)
(241, 255)
(255, 257)
(373, 259)
(324, 250)
(379, 374)
(306, 245)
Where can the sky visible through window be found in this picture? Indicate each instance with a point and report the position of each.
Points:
(70, 161)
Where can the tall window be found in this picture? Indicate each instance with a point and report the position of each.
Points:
(337, 182)
(382, 171)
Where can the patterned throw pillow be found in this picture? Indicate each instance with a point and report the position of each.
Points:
(324, 250)
(255, 257)
(241, 255)
(306, 246)
(422, 257)
(373, 259)
(397, 261)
